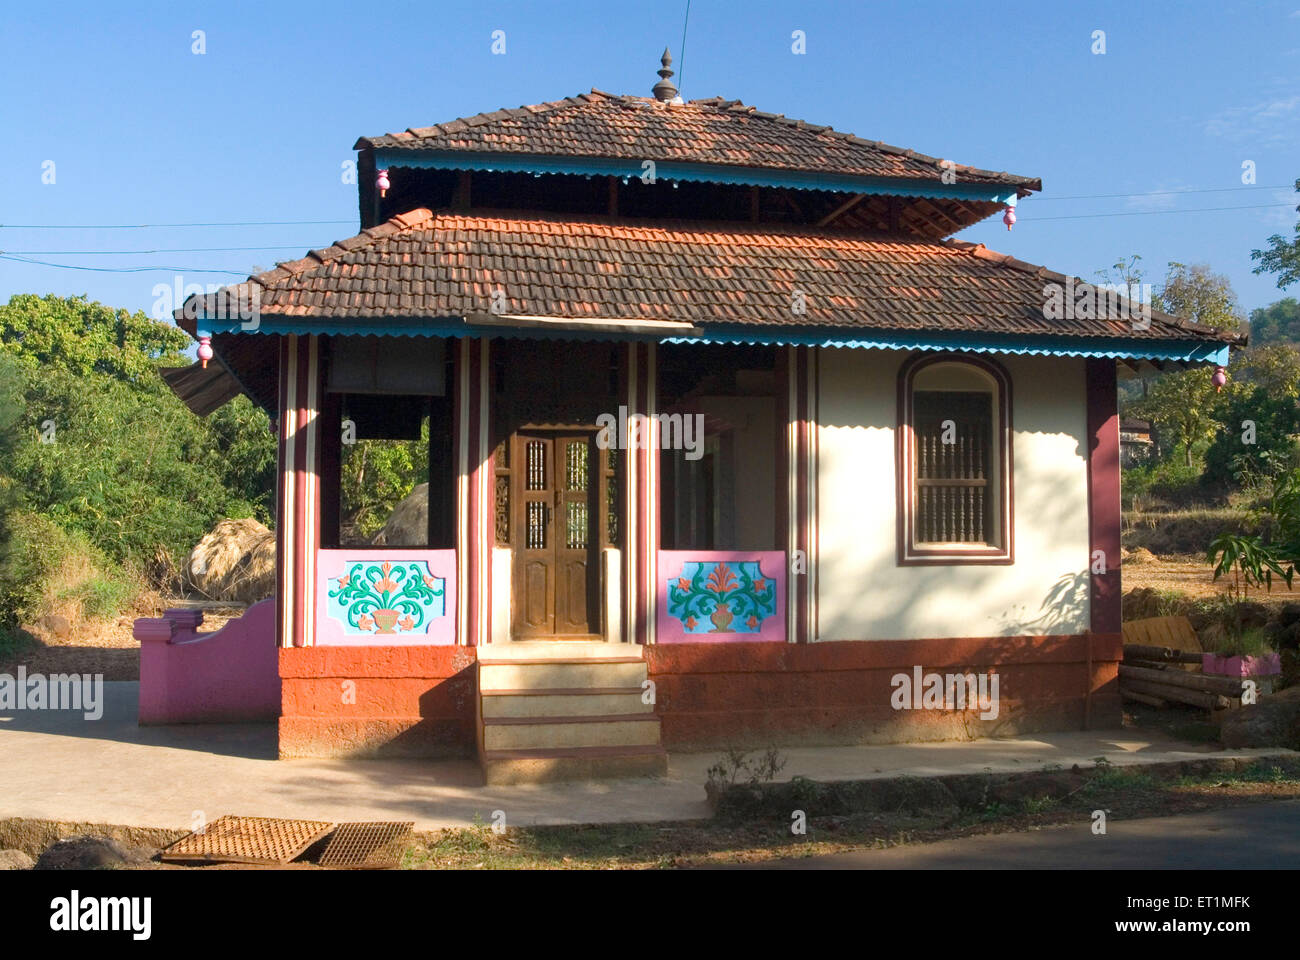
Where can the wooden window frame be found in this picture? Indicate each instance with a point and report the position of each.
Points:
(910, 552)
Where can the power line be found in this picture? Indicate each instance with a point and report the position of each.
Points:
(681, 59)
(123, 253)
(70, 266)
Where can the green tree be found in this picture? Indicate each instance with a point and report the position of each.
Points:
(1257, 441)
(130, 468)
(1282, 256)
(1182, 404)
(83, 336)
(133, 470)
(375, 475)
(1277, 323)
(1275, 367)
(12, 389)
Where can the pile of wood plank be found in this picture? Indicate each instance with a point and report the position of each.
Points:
(1157, 674)
(1150, 675)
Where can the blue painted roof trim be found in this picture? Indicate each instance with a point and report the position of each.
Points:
(1179, 351)
(699, 172)
(1182, 351)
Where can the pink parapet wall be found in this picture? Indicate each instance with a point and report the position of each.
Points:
(720, 596)
(231, 675)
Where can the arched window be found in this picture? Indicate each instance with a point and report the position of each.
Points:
(954, 461)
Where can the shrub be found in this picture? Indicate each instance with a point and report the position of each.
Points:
(131, 469)
(47, 569)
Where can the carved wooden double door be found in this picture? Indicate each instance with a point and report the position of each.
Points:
(558, 499)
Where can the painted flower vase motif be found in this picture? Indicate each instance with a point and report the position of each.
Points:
(729, 596)
(721, 617)
(387, 598)
(387, 620)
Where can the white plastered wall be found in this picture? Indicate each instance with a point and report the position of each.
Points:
(862, 592)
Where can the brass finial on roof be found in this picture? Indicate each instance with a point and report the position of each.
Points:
(664, 89)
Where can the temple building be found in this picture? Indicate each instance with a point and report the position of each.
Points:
(717, 433)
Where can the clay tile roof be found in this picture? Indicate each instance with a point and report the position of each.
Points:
(427, 264)
(712, 131)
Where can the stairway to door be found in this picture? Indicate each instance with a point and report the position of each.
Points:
(564, 710)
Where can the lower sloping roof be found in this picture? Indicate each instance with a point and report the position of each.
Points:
(202, 389)
(424, 268)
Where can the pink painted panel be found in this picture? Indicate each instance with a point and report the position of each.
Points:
(720, 596)
(399, 597)
(231, 675)
(1261, 666)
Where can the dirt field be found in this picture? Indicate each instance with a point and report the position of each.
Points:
(100, 647)
(1190, 575)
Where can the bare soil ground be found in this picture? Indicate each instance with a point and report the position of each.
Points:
(1192, 576)
(96, 647)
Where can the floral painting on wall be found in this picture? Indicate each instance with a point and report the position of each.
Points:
(386, 598)
(716, 596)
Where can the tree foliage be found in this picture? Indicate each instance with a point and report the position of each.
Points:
(1281, 256)
(1182, 404)
(93, 442)
(84, 337)
(1277, 323)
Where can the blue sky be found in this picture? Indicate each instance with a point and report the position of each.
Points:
(142, 130)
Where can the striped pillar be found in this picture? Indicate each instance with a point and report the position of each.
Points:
(297, 506)
(801, 493)
(641, 497)
(475, 494)
(1104, 516)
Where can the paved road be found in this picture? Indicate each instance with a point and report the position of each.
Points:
(1256, 836)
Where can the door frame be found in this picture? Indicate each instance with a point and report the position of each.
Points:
(597, 531)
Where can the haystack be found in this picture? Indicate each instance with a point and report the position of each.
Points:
(236, 562)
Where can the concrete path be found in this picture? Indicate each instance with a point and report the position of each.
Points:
(1263, 836)
(59, 766)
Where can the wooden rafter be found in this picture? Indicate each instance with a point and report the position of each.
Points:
(843, 208)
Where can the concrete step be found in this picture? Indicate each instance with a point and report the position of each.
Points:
(558, 650)
(550, 733)
(581, 702)
(518, 674)
(503, 767)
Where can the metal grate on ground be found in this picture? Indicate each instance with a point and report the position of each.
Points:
(248, 840)
(373, 845)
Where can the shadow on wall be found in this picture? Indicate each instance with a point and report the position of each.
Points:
(1064, 610)
(864, 593)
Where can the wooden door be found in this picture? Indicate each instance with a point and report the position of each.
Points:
(556, 501)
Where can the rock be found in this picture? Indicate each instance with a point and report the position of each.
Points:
(91, 853)
(236, 561)
(57, 625)
(408, 524)
(15, 860)
(1289, 614)
(1273, 722)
